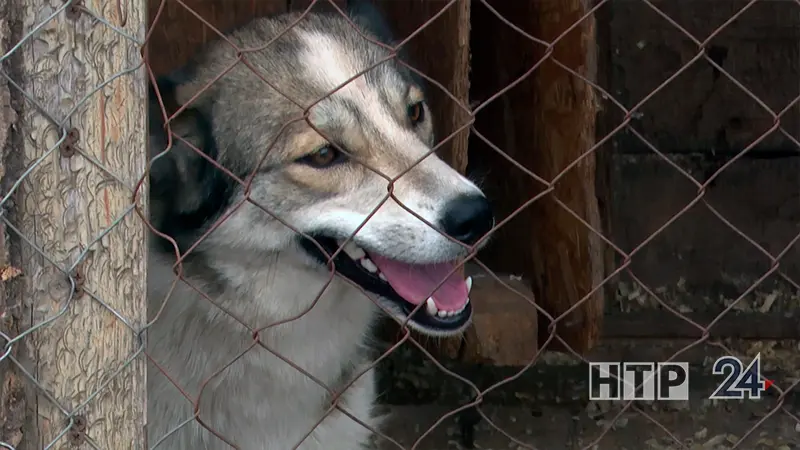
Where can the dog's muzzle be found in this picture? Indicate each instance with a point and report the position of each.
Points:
(434, 297)
(403, 287)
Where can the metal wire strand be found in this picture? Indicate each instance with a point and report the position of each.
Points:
(83, 277)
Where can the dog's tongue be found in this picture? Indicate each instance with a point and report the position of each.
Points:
(414, 282)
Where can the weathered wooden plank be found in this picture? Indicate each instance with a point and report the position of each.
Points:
(700, 263)
(82, 358)
(545, 123)
(564, 128)
(702, 110)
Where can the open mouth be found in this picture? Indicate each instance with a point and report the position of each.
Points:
(402, 287)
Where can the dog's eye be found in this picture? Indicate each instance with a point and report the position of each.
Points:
(416, 113)
(323, 157)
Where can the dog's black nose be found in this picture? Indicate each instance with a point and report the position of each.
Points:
(467, 218)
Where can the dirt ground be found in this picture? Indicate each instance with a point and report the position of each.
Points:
(556, 428)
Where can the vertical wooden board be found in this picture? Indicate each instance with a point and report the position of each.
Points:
(544, 123)
(700, 264)
(85, 357)
(506, 122)
(178, 33)
(608, 117)
(703, 108)
(700, 120)
(565, 131)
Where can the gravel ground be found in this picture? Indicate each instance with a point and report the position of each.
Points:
(556, 428)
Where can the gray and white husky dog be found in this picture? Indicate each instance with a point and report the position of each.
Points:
(259, 271)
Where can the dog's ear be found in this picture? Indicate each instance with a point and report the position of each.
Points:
(367, 16)
(186, 187)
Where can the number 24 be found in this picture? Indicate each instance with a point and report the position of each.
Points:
(738, 381)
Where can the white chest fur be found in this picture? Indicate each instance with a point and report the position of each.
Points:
(243, 391)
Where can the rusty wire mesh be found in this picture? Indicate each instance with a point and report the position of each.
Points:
(548, 187)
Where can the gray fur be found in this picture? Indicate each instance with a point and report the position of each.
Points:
(251, 265)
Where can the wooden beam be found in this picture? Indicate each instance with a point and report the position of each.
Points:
(608, 118)
(544, 123)
(84, 360)
(179, 34)
(571, 256)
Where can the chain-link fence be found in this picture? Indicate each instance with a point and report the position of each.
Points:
(75, 218)
(74, 151)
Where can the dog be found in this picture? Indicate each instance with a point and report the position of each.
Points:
(262, 183)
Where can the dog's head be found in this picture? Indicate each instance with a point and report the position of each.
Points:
(327, 175)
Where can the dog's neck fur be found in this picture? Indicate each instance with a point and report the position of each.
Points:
(203, 338)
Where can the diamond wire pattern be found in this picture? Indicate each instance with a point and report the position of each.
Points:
(548, 190)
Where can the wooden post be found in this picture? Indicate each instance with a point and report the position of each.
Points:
(84, 360)
(570, 256)
(544, 123)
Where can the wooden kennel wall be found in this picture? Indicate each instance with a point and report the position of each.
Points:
(544, 123)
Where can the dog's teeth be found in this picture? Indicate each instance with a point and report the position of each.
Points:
(469, 284)
(382, 277)
(354, 251)
(432, 310)
(430, 307)
(369, 265)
